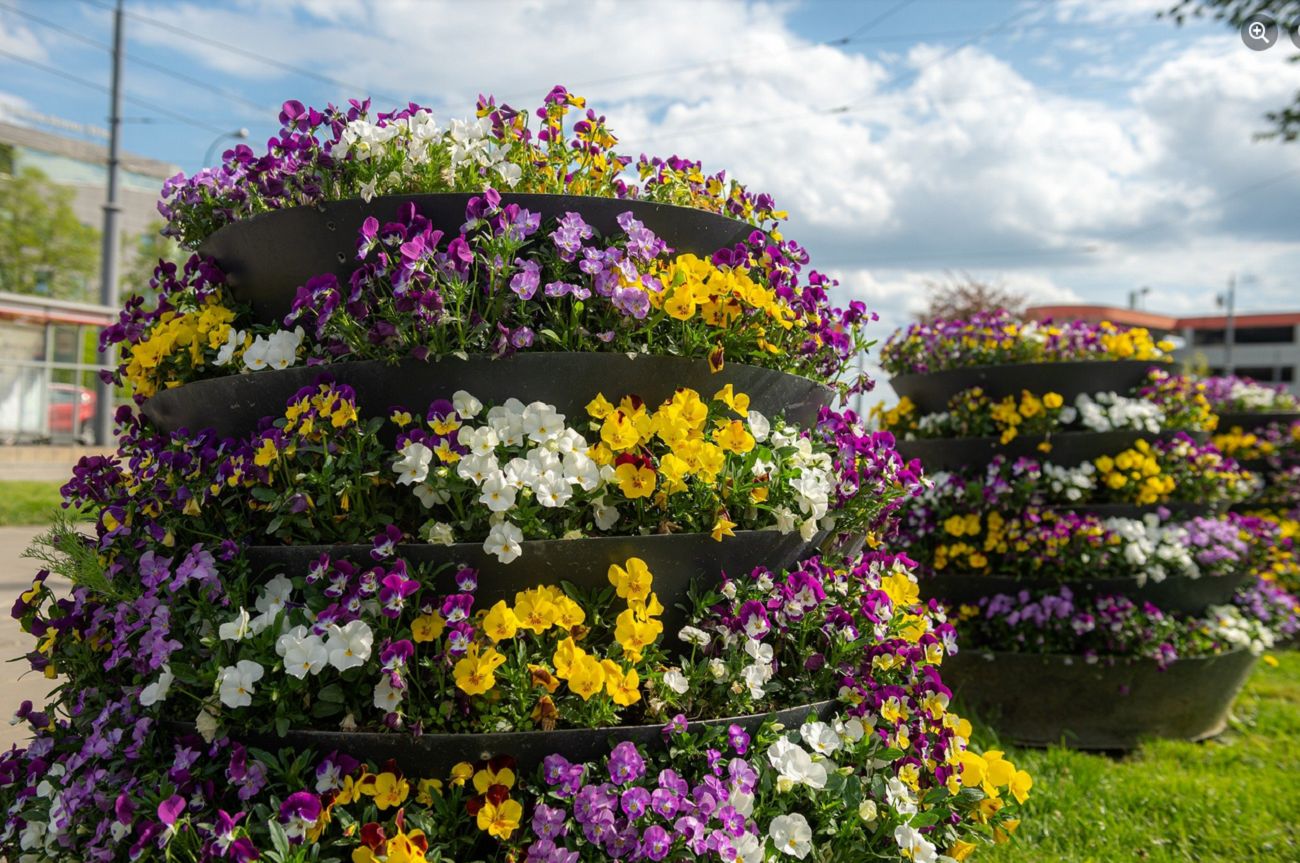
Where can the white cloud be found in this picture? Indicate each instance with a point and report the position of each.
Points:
(16, 38)
(1133, 175)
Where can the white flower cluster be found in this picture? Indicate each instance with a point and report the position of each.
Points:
(553, 462)
(1070, 483)
(1226, 622)
(304, 651)
(276, 351)
(813, 486)
(1161, 550)
(1113, 412)
(1253, 396)
(469, 143)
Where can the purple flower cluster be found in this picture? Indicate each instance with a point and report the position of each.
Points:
(634, 814)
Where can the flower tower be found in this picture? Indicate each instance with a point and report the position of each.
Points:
(1259, 425)
(1076, 527)
(484, 498)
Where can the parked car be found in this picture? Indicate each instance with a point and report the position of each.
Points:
(71, 411)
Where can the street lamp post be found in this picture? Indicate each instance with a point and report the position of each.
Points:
(237, 134)
(1228, 301)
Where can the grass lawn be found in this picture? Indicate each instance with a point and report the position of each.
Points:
(1235, 798)
(28, 501)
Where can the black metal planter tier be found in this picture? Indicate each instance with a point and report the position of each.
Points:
(1067, 449)
(234, 405)
(1176, 594)
(267, 257)
(1044, 699)
(675, 560)
(435, 754)
(1251, 420)
(931, 391)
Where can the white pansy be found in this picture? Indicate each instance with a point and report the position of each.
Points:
(605, 515)
(349, 646)
(676, 681)
(791, 835)
(759, 427)
(477, 468)
(479, 441)
(542, 423)
(413, 466)
(497, 494)
(276, 351)
(820, 737)
(914, 845)
(226, 353)
(387, 697)
(695, 636)
(304, 654)
(157, 691)
(581, 470)
(503, 542)
(718, 669)
(867, 811)
(795, 765)
(236, 684)
(237, 629)
(899, 797)
(552, 491)
(748, 847)
(428, 496)
(466, 406)
(758, 651)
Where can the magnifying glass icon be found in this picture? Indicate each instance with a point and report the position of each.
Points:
(1257, 31)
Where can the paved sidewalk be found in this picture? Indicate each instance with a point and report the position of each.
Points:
(17, 682)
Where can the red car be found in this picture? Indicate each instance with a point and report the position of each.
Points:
(71, 411)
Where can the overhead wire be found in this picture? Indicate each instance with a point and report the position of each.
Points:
(137, 60)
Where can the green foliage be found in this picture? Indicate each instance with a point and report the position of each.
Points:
(28, 502)
(143, 253)
(1228, 799)
(44, 249)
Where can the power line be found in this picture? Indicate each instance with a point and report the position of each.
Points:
(897, 7)
(251, 55)
(140, 61)
(95, 85)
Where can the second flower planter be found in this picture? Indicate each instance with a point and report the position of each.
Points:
(1046, 699)
(234, 405)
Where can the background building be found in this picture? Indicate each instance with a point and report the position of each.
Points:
(48, 361)
(1264, 346)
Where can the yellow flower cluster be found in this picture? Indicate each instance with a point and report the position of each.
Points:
(1132, 344)
(719, 295)
(178, 338)
(540, 610)
(1010, 414)
(1136, 472)
(681, 424)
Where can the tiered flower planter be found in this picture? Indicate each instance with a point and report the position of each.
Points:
(468, 526)
(1040, 699)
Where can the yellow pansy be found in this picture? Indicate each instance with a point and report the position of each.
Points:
(501, 820)
(427, 627)
(586, 676)
(635, 481)
(475, 674)
(500, 623)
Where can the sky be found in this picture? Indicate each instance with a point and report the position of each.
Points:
(1071, 150)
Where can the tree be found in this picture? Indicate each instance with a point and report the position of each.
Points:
(142, 254)
(44, 248)
(961, 297)
(1286, 120)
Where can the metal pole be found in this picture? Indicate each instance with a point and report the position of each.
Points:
(112, 235)
(1229, 326)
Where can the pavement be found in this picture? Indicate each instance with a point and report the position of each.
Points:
(46, 463)
(18, 683)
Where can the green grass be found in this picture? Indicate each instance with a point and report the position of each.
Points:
(28, 502)
(1236, 798)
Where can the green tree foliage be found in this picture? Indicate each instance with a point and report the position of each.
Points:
(44, 249)
(142, 253)
(1285, 122)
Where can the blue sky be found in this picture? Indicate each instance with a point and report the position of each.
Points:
(1071, 149)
